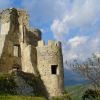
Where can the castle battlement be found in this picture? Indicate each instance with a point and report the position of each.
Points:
(41, 43)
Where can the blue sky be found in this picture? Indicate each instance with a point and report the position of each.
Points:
(76, 23)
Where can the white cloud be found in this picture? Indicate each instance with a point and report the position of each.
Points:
(84, 16)
(82, 49)
(58, 28)
(78, 40)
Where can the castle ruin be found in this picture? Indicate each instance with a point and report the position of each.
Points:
(21, 48)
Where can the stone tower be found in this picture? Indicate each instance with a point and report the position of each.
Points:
(21, 48)
(50, 66)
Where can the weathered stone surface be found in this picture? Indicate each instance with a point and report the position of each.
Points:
(23, 88)
(49, 56)
(2, 40)
(21, 48)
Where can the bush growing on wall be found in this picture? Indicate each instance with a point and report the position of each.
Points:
(7, 84)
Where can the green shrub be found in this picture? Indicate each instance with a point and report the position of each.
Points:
(91, 94)
(7, 84)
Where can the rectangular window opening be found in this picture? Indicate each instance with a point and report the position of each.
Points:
(16, 50)
(54, 69)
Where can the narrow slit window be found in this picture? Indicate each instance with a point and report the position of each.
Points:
(54, 69)
(16, 50)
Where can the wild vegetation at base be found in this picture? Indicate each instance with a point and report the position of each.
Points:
(78, 92)
(8, 90)
(7, 84)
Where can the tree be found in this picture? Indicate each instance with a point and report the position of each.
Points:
(90, 69)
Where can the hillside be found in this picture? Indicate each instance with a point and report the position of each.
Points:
(76, 92)
(71, 78)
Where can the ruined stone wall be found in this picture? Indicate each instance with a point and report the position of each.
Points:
(17, 37)
(28, 41)
(4, 27)
(50, 66)
(9, 37)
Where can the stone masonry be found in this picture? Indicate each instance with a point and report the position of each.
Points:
(21, 48)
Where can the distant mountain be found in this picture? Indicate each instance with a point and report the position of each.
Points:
(72, 78)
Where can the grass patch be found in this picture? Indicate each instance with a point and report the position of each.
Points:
(15, 97)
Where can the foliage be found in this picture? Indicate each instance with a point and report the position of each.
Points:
(7, 84)
(91, 94)
(78, 91)
(90, 69)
